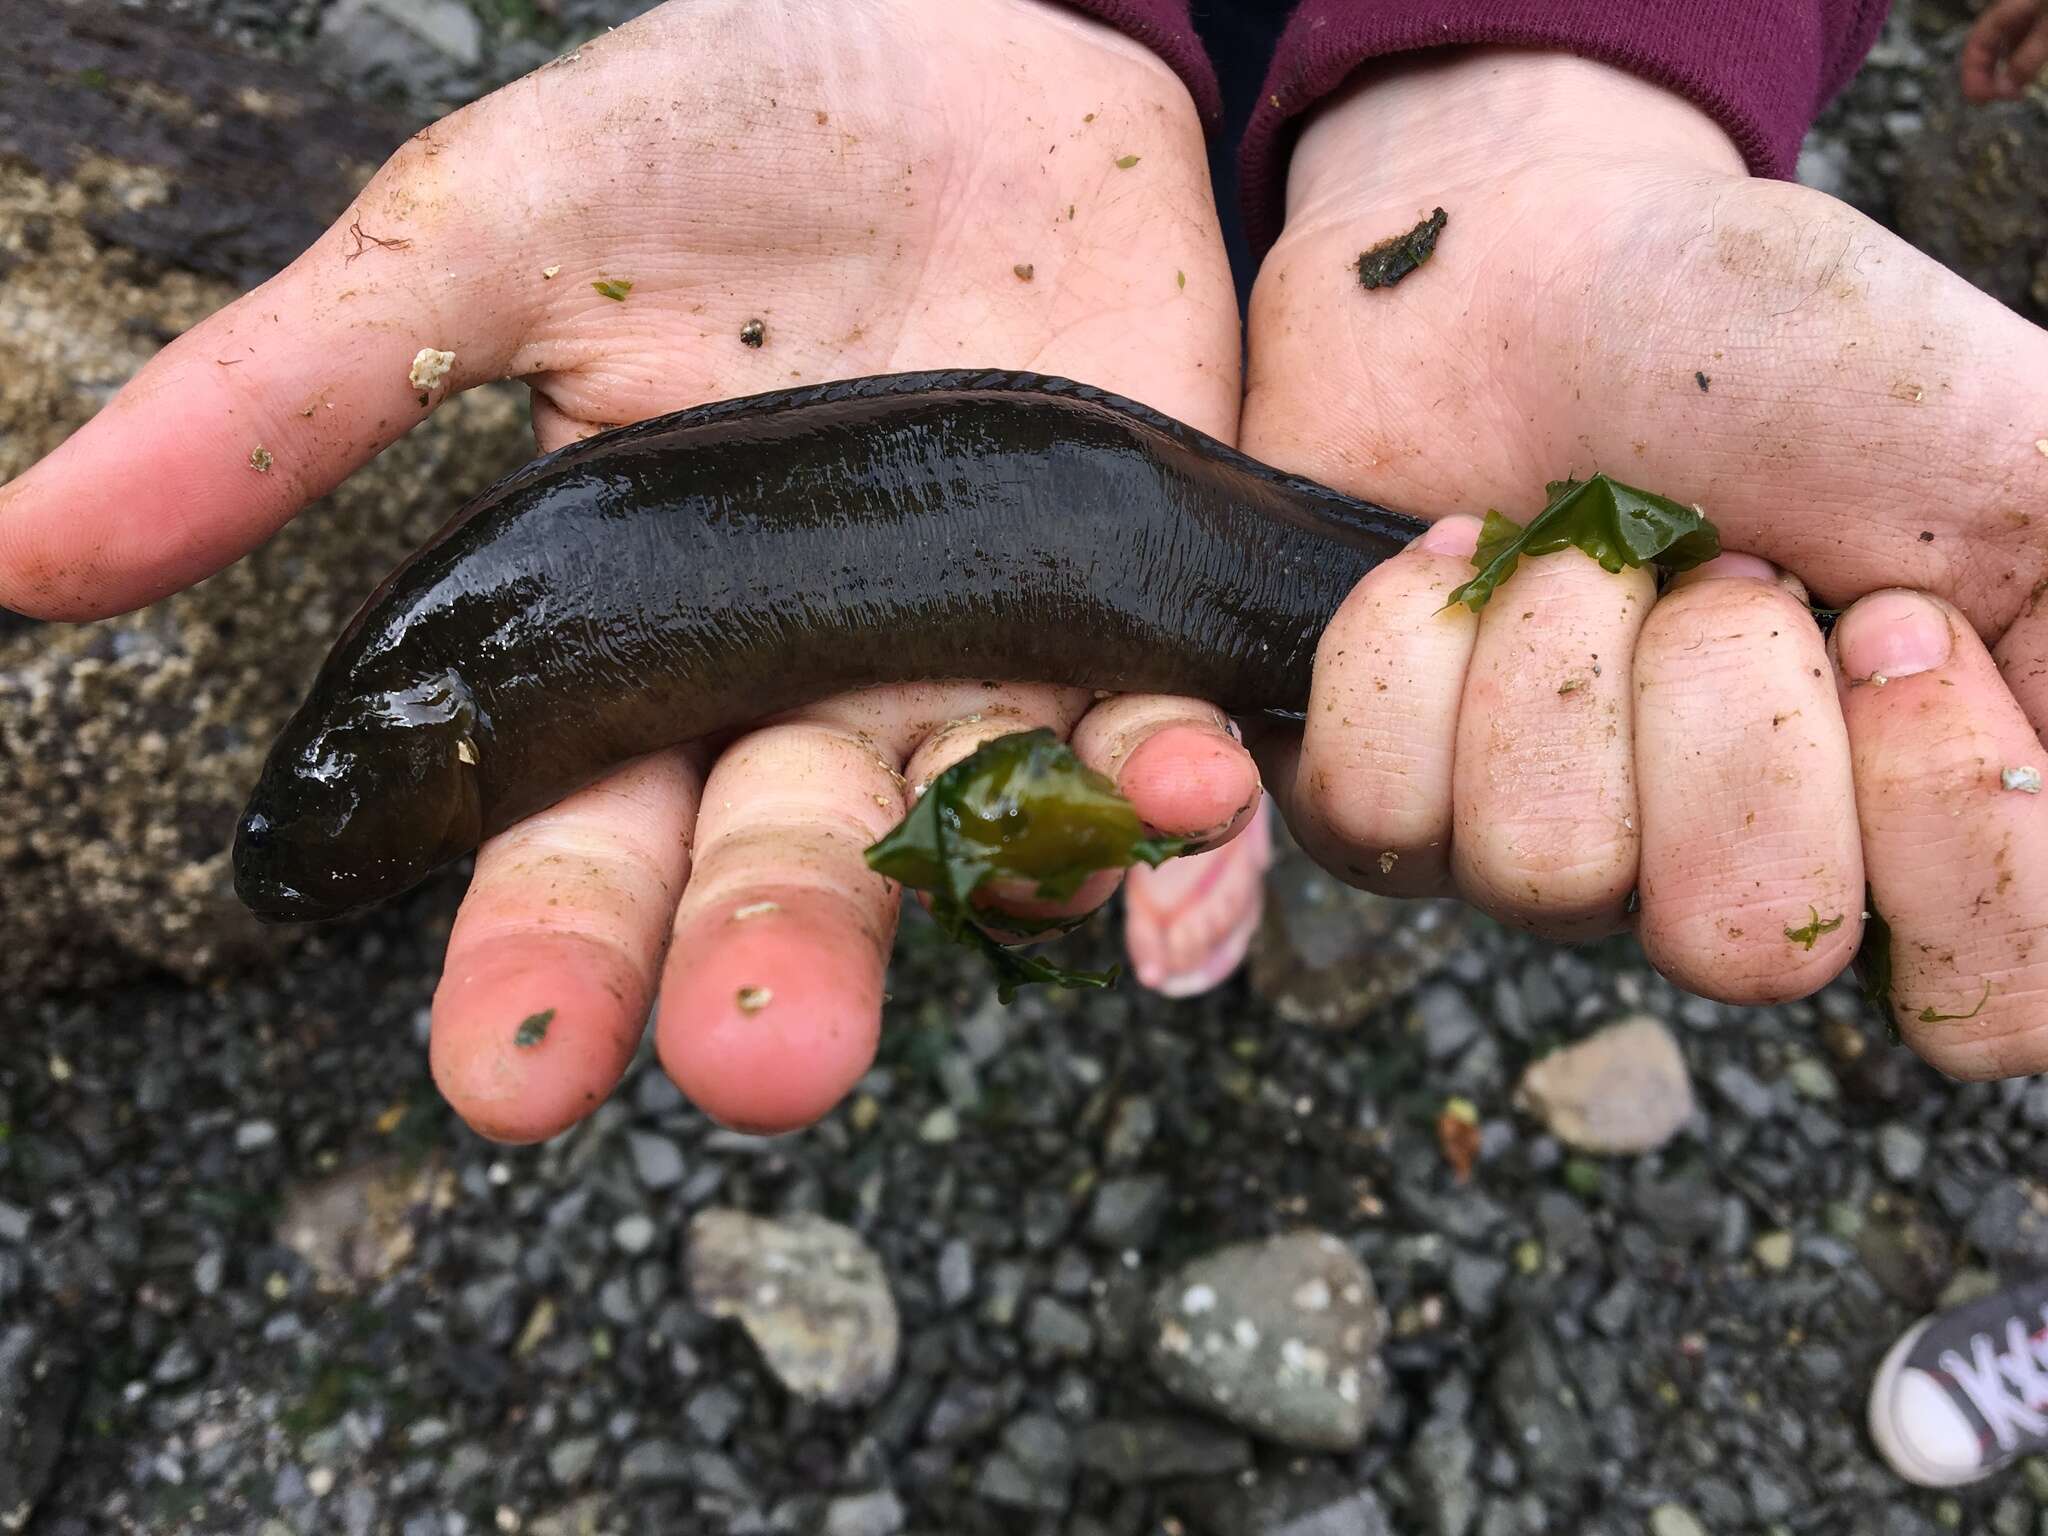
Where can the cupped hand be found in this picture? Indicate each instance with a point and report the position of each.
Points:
(1613, 293)
(718, 200)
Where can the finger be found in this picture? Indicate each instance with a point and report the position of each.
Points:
(2029, 56)
(1543, 784)
(1017, 708)
(1958, 862)
(1369, 794)
(1189, 923)
(263, 407)
(1751, 876)
(1986, 46)
(1183, 767)
(771, 996)
(551, 965)
(1178, 761)
(2023, 659)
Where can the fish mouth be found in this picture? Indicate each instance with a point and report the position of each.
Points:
(274, 901)
(258, 887)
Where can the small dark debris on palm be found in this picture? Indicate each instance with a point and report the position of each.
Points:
(1391, 260)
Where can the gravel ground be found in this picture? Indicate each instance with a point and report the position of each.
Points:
(255, 1279)
(278, 1289)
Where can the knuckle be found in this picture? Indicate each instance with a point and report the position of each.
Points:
(1558, 899)
(1946, 764)
(1737, 616)
(1701, 956)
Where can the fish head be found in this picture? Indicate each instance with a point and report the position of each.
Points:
(364, 793)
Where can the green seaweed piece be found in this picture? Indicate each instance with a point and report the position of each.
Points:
(1874, 964)
(614, 288)
(1929, 1015)
(533, 1029)
(1391, 260)
(1810, 934)
(1022, 807)
(1616, 524)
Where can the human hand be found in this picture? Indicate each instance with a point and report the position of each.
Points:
(2006, 50)
(890, 186)
(1613, 292)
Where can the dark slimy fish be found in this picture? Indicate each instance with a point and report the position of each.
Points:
(677, 578)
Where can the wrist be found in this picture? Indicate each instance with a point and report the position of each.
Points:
(1416, 127)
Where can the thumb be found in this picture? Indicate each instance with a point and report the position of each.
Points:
(264, 407)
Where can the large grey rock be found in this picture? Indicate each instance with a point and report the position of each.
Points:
(127, 747)
(1446, 1488)
(1308, 1500)
(1151, 1450)
(810, 1293)
(1971, 193)
(356, 1227)
(40, 1379)
(1281, 1337)
(422, 50)
(879, 1513)
(2010, 1224)
(1622, 1089)
(1328, 955)
(1540, 1406)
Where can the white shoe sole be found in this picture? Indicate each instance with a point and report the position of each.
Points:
(1892, 1441)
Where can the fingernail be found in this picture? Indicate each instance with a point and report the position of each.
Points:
(1892, 634)
(1456, 535)
(1727, 567)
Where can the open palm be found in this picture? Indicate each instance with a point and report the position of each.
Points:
(718, 200)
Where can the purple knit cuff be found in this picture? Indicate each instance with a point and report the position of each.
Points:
(1763, 69)
(1164, 27)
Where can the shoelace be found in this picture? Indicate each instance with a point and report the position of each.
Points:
(2009, 1387)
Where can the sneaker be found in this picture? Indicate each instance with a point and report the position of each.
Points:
(1965, 1391)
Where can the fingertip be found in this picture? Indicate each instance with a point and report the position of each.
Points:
(1193, 781)
(1890, 635)
(528, 1039)
(1457, 535)
(1729, 566)
(768, 1018)
(1019, 898)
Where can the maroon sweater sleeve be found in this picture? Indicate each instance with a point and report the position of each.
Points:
(1762, 68)
(1164, 27)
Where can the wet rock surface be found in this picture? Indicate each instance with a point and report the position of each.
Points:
(811, 1295)
(312, 1298)
(1625, 1089)
(1971, 194)
(1328, 955)
(253, 1278)
(128, 747)
(1957, 180)
(1281, 1337)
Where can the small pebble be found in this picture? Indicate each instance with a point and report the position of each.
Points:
(1675, 1520)
(1773, 1250)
